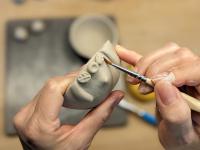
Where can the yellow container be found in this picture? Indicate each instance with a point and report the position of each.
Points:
(133, 89)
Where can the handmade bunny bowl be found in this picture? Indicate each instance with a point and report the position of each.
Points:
(95, 80)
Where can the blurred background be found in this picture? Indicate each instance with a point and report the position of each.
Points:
(44, 38)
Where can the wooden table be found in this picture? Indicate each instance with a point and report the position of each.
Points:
(144, 26)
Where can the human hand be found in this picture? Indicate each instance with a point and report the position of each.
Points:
(39, 127)
(177, 124)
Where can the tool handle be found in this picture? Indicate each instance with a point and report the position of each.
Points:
(193, 103)
(149, 118)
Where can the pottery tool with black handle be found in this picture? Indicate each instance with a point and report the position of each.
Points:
(193, 103)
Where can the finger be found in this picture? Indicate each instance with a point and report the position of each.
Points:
(142, 65)
(158, 115)
(171, 105)
(51, 97)
(175, 112)
(146, 61)
(144, 88)
(131, 57)
(64, 82)
(97, 117)
(196, 119)
(75, 72)
(188, 74)
(130, 79)
(24, 114)
(163, 65)
(169, 61)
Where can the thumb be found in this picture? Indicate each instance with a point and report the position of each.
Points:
(94, 120)
(171, 104)
(175, 113)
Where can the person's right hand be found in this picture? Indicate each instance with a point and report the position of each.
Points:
(39, 127)
(177, 124)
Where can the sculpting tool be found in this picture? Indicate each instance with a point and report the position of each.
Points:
(131, 73)
(149, 118)
(193, 103)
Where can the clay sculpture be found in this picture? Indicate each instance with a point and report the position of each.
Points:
(21, 33)
(95, 80)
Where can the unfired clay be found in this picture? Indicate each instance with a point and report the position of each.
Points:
(95, 80)
(38, 26)
(88, 33)
(21, 33)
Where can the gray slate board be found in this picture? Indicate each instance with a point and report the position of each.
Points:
(29, 64)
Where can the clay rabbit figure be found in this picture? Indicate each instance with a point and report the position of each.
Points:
(95, 80)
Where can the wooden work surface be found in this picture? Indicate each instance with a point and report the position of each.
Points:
(144, 26)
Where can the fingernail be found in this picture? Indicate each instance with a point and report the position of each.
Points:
(118, 46)
(135, 69)
(119, 98)
(145, 89)
(129, 79)
(173, 44)
(166, 92)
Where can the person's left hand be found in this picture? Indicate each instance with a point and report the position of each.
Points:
(39, 126)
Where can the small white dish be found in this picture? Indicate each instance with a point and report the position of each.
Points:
(88, 33)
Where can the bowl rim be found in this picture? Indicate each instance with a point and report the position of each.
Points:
(86, 18)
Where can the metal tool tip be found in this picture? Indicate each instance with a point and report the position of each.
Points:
(107, 61)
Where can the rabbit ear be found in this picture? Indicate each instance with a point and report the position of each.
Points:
(109, 51)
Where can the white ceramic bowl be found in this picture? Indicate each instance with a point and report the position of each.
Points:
(88, 34)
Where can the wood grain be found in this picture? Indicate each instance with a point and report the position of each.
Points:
(144, 26)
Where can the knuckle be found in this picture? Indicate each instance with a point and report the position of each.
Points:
(152, 70)
(17, 122)
(185, 53)
(179, 118)
(198, 61)
(30, 133)
(51, 84)
(140, 63)
(104, 117)
(171, 45)
(176, 119)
